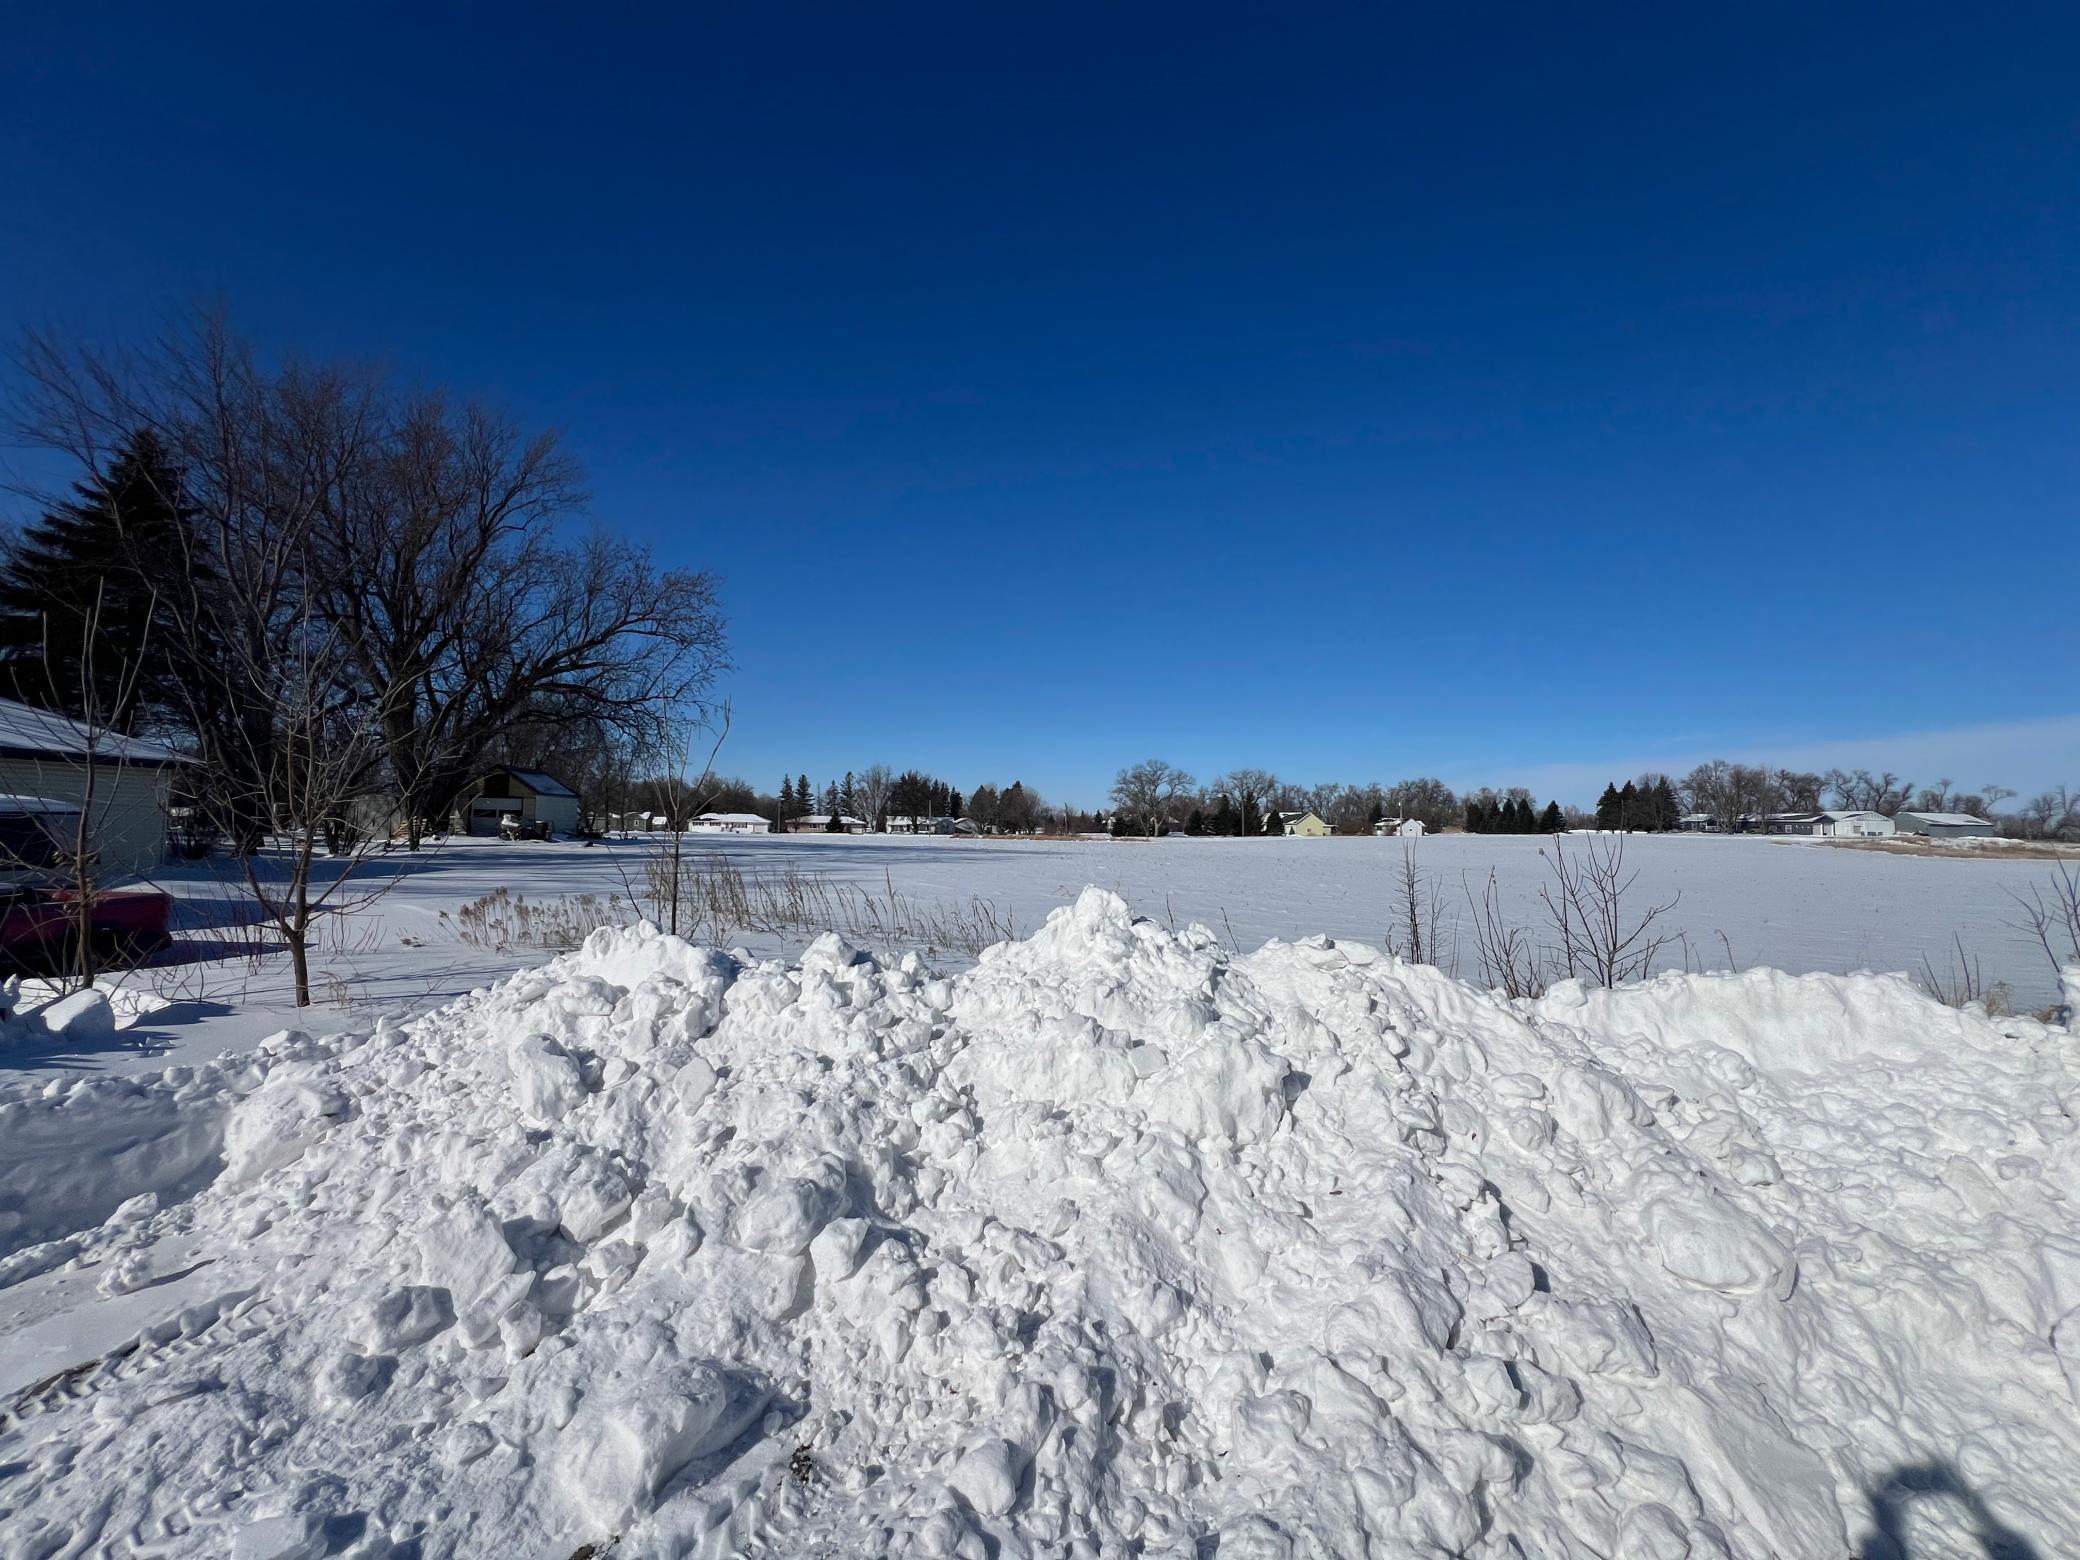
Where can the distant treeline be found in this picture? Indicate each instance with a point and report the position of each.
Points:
(1155, 797)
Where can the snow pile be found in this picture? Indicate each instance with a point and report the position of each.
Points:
(1113, 1244)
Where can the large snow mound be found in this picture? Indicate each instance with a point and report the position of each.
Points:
(1115, 1244)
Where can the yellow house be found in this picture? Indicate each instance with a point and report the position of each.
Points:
(1305, 824)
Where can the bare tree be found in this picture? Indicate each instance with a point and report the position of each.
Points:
(870, 789)
(1146, 794)
(1600, 937)
(2051, 915)
(1416, 933)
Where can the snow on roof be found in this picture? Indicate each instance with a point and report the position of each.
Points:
(1839, 814)
(540, 782)
(27, 732)
(733, 818)
(826, 818)
(35, 804)
(1948, 820)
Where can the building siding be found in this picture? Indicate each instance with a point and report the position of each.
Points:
(129, 806)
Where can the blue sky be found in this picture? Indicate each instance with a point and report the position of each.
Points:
(1515, 397)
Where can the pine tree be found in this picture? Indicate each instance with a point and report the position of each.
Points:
(94, 569)
(1273, 824)
(1608, 814)
(1550, 821)
(787, 802)
(804, 797)
(1667, 814)
(848, 795)
(1628, 807)
(834, 824)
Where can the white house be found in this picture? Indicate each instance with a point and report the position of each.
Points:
(1698, 823)
(730, 823)
(49, 757)
(820, 823)
(1405, 828)
(1837, 824)
(1942, 826)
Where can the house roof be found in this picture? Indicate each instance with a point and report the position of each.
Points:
(823, 818)
(540, 782)
(733, 818)
(1840, 814)
(27, 732)
(1948, 820)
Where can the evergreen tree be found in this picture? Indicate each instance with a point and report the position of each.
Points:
(1476, 816)
(1550, 821)
(953, 803)
(834, 824)
(1195, 822)
(92, 572)
(1667, 814)
(1224, 820)
(1628, 807)
(1273, 824)
(848, 795)
(787, 802)
(804, 797)
(1608, 814)
(830, 799)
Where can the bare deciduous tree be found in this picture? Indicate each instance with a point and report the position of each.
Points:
(1147, 794)
(1601, 937)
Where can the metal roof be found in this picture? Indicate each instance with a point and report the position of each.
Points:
(27, 732)
(1948, 820)
(539, 782)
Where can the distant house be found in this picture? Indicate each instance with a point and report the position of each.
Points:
(528, 800)
(1860, 825)
(1698, 823)
(820, 823)
(1942, 826)
(924, 825)
(1305, 824)
(1405, 828)
(1791, 823)
(48, 757)
(730, 823)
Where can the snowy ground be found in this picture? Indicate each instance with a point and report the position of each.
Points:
(1114, 1242)
(1793, 906)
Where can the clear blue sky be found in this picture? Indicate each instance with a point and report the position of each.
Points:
(1509, 398)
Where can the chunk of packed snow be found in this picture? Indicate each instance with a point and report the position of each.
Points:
(81, 1014)
(1117, 1242)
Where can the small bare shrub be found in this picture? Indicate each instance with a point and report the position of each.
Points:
(1963, 983)
(502, 920)
(1601, 938)
(1509, 961)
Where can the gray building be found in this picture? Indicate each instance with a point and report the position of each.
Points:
(1942, 826)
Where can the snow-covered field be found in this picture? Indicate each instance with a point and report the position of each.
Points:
(1114, 1242)
(1743, 902)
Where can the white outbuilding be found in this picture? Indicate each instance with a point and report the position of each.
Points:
(1403, 828)
(121, 782)
(1854, 825)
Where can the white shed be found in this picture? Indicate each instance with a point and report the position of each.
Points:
(1855, 825)
(121, 781)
